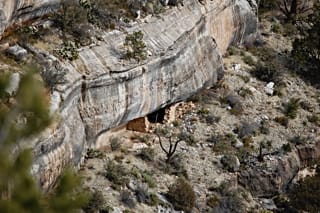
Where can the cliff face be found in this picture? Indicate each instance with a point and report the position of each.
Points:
(17, 11)
(103, 91)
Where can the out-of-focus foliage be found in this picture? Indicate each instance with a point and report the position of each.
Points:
(23, 115)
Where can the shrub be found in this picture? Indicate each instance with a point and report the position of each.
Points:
(175, 167)
(246, 129)
(213, 201)
(286, 147)
(147, 154)
(142, 193)
(153, 199)
(298, 140)
(314, 118)
(135, 47)
(244, 92)
(92, 153)
(181, 195)
(283, 120)
(235, 103)
(96, 202)
(276, 28)
(266, 73)
(292, 107)
(115, 143)
(248, 60)
(232, 51)
(68, 51)
(70, 15)
(117, 174)
(147, 178)
(127, 198)
(289, 29)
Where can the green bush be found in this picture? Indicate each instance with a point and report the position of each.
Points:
(68, 51)
(153, 199)
(115, 143)
(147, 154)
(117, 174)
(292, 107)
(276, 28)
(96, 202)
(181, 195)
(248, 60)
(135, 47)
(147, 178)
(266, 73)
(70, 14)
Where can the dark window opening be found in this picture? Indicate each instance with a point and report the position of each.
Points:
(157, 116)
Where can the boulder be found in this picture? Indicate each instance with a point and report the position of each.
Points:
(13, 84)
(269, 88)
(17, 52)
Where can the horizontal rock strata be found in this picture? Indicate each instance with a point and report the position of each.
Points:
(104, 91)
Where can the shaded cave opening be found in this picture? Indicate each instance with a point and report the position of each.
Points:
(157, 116)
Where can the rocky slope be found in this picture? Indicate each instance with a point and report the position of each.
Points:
(104, 91)
(239, 160)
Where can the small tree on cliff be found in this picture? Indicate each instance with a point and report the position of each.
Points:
(306, 48)
(291, 9)
(135, 46)
(169, 139)
(23, 116)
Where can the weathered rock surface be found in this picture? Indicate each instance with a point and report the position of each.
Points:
(17, 11)
(272, 176)
(277, 172)
(103, 91)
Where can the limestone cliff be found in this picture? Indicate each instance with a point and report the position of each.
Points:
(103, 91)
(17, 11)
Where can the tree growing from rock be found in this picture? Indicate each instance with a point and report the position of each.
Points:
(135, 46)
